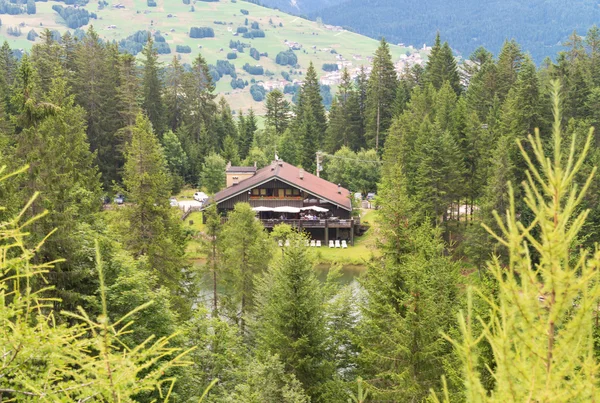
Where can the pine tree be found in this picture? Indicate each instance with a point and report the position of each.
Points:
(200, 99)
(441, 67)
(290, 315)
(128, 108)
(152, 102)
(311, 98)
(278, 111)
(148, 227)
(173, 95)
(541, 325)
(381, 92)
(93, 84)
(62, 169)
(246, 252)
(345, 127)
(410, 300)
(509, 64)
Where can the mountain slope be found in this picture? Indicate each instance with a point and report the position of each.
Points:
(123, 18)
(538, 25)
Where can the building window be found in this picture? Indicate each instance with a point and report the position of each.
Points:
(255, 192)
(296, 192)
(263, 192)
(288, 192)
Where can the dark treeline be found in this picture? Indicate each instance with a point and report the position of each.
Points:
(86, 121)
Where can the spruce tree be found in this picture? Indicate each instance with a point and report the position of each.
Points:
(290, 315)
(62, 169)
(410, 299)
(94, 87)
(278, 111)
(246, 252)
(441, 66)
(311, 98)
(152, 102)
(149, 227)
(173, 95)
(381, 92)
(509, 64)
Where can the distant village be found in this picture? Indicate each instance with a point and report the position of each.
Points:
(412, 57)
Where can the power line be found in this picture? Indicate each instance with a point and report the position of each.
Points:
(347, 158)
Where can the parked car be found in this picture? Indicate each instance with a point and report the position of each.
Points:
(119, 199)
(200, 196)
(173, 202)
(370, 196)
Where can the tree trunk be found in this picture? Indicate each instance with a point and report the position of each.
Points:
(214, 270)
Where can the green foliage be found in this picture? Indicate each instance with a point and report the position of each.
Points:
(149, 228)
(541, 324)
(246, 251)
(290, 315)
(49, 362)
(381, 92)
(213, 173)
(359, 172)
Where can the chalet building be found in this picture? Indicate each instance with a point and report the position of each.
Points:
(283, 193)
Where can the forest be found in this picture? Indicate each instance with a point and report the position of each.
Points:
(484, 288)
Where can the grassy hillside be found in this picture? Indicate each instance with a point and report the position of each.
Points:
(540, 26)
(316, 40)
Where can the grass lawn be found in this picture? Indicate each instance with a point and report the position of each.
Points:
(174, 20)
(364, 248)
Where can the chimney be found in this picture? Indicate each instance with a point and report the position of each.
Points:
(236, 180)
(339, 188)
(254, 164)
(301, 173)
(273, 165)
(228, 165)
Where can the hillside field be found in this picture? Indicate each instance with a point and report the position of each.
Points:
(316, 39)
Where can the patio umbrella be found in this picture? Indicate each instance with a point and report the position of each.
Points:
(286, 209)
(261, 208)
(315, 208)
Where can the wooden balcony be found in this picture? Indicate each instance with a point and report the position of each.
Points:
(329, 223)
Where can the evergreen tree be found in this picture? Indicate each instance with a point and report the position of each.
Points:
(200, 99)
(509, 64)
(173, 95)
(246, 252)
(290, 315)
(541, 325)
(61, 168)
(152, 102)
(311, 98)
(441, 66)
(345, 128)
(149, 228)
(93, 84)
(128, 108)
(410, 300)
(381, 92)
(278, 111)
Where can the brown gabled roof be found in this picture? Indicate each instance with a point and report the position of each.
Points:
(291, 175)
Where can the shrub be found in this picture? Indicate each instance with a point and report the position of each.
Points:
(245, 12)
(330, 67)
(231, 55)
(254, 54)
(254, 70)
(286, 58)
(202, 32)
(183, 49)
(258, 92)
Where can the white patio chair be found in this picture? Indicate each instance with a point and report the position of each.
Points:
(312, 243)
(318, 244)
(307, 242)
(280, 244)
(337, 243)
(331, 245)
(344, 245)
(287, 242)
